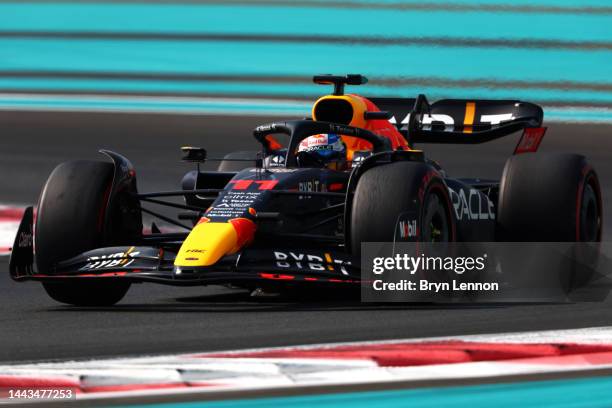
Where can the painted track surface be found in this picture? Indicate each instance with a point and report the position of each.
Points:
(155, 319)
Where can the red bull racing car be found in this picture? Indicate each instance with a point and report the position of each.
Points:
(296, 212)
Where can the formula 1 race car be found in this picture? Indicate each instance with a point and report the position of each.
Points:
(277, 218)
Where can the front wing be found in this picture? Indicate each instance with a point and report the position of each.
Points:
(152, 264)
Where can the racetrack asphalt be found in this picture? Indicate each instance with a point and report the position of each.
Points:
(157, 319)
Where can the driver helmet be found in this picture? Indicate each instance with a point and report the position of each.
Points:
(323, 151)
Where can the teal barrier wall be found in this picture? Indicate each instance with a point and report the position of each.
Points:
(552, 52)
(573, 393)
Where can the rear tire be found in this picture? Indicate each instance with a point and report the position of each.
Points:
(70, 221)
(549, 198)
(386, 193)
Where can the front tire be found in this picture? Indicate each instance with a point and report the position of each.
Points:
(95, 292)
(406, 191)
(70, 221)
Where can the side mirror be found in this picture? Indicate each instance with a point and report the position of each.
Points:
(193, 154)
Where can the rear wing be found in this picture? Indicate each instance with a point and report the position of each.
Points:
(459, 120)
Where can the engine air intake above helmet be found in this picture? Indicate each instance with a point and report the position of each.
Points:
(334, 110)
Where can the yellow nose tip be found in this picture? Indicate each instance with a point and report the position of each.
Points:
(210, 241)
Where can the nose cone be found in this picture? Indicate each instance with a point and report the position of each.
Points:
(210, 241)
